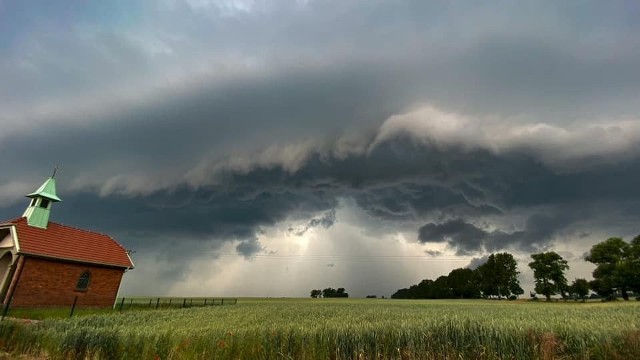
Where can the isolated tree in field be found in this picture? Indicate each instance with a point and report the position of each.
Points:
(617, 266)
(580, 288)
(548, 271)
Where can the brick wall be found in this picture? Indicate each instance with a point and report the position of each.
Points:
(46, 282)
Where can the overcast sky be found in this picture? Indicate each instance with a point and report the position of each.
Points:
(267, 148)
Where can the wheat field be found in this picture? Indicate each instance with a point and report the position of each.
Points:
(341, 329)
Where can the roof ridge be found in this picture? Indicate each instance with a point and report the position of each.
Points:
(79, 229)
(18, 219)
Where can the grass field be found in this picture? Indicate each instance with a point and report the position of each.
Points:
(129, 304)
(341, 329)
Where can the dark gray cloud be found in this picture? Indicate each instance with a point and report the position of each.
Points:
(249, 247)
(209, 214)
(325, 221)
(398, 181)
(456, 233)
(468, 238)
(433, 252)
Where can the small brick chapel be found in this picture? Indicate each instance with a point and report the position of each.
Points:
(45, 264)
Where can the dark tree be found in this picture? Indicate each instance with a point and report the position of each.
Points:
(441, 289)
(580, 288)
(615, 267)
(515, 288)
(341, 293)
(463, 284)
(499, 276)
(634, 264)
(333, 293)
(548, 271)
(460, 283)
(316, 293)
(424, 290)
(328, 292)
(487, 274)
(402, 294)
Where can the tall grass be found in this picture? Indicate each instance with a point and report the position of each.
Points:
(341, 329)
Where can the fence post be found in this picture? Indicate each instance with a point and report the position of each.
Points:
(121, 304)
(184, 303)
(205, 302)
(157, 303)
(150, 302)
(222, 303)
(191, 303)
(73, 307)
(6, 309)
(130, 302)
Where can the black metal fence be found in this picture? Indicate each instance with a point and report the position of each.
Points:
(78, 307)
(125, 303)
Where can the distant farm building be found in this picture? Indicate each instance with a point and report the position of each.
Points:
(43, 263)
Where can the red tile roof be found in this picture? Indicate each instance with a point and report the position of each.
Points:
(68, 243)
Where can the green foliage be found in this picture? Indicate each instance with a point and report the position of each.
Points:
(579, 288)
(333, 293)
(340, 329)
(618, 267)
(548, 271)
(463, 283)
(497, 277)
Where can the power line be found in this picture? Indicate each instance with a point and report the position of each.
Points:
(339, 257)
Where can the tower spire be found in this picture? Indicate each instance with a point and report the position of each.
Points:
(37, 213)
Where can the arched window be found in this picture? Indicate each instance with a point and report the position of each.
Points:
(83, 281)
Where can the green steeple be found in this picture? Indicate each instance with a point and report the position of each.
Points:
(37, 213)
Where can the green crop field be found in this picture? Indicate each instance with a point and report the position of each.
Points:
(341, 329)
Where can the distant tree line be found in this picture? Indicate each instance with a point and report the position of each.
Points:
(617, 272)
(496, 278)
(329, 293)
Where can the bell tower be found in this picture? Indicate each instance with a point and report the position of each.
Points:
(37, 213)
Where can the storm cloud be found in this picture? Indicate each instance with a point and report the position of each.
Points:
(468, 239)
(207, 135)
